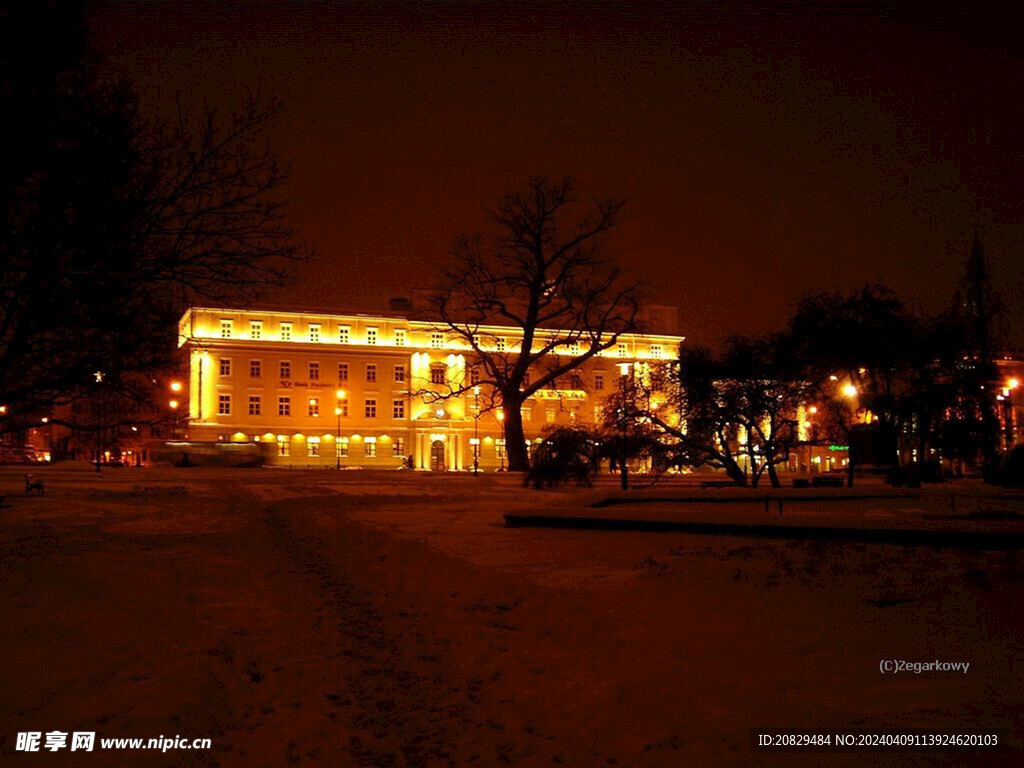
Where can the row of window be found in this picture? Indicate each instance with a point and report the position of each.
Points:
(315, 335)
(438, 373)
(341, 446)
(284, 407)
(285, 370)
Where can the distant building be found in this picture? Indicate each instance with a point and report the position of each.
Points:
(361, 389)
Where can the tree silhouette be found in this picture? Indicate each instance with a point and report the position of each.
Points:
(545, 273)
(114, 225)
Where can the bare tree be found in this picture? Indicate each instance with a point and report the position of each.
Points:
(547, 275)
(114, 226)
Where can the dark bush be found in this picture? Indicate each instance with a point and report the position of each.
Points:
(1008, 470)
(566, 454)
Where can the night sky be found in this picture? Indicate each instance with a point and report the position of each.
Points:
(762, 154)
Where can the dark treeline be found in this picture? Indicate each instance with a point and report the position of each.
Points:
(913, 396)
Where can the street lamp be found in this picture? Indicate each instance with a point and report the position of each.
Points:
(501, 454)
(623, 467)
(340, 395)
(476, 429)
(849, 390)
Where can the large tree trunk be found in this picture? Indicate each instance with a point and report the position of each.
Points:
(515, 439)
(734, 471)
(773, 475)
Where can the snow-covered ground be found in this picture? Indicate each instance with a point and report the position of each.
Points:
(390, 618)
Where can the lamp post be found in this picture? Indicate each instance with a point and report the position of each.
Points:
(476, 429)
(340, 395)
(623, 467)
(501, 454)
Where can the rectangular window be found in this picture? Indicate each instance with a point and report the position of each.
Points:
(255, 369)
(225, 366)
(286, 331)
(226, 327)
(656, 350)
(371, 372)
(622, 349)
(342, 448)
(343, 405)
(474, 376)
(437, 374)
(370, 409)
(255, 329)
(400, 337)
(398, 409)
(549, 415)
(474, 443)
(398, 446)
(500, 344)
(255, 406)
(573, 348)
(314, 371)
(314, 406)
(400, 374)
(499, 448)
(314, 332)
(575, 382)
(284, 406)
(313, 447)
(224, 405)
(286, 369)
(371, 336)
(436, 339)
(599, 380)
(342, 371)
(344, 333)
(370, 447)
(526, 412)
(282, 447)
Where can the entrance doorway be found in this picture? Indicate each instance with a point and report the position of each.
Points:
(437, 456)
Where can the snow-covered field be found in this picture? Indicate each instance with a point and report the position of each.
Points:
(390, 618)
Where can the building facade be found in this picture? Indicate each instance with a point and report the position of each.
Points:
(369, 390)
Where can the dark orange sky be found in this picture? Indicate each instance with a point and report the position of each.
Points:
(762, 154)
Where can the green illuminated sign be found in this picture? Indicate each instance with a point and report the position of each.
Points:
(839, 447)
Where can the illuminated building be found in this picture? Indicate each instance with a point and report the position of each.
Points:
(362, 390)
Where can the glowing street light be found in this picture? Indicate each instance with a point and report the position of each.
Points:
(173, 405)
(849, 390)
(175, 386)
(501, 420)
(1013, 383)
(476, 429)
